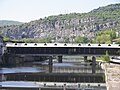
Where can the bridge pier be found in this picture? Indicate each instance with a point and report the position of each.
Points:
(59, 59)
(50, 68)
(50, 63)
(50, 60)
(85, 58)
(0, 59)
(93, 64)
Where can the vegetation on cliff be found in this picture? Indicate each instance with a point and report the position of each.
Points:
(90, 27)
(9, 22)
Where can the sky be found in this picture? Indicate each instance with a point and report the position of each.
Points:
(28, 10)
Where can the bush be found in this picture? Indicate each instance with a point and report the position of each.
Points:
(106, 58)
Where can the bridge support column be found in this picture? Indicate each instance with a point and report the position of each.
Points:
(85, 58)
(50, 64)
(59, 59)
(50, 68)
(93, 64)
(2, 78)
(50, 60)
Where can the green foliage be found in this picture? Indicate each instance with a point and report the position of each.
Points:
(105, 37)
(110, 8)
(109, 32)
(6, 38)
(28, 40)
(7, 22)
(66, 40)
(106, 58)
(107, 13)
(117, 40)
(37, 40)
(107, 17)
(99, 58)
(81, 39)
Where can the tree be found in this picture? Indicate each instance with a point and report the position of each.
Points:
(6, 38)
(112, 33)
(106, 58)
(37, 40)
(66, 40)
(81, 39)
(105, 37)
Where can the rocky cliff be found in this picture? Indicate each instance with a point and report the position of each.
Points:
(67, 26)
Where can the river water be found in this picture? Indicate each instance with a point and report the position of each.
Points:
(71, 64)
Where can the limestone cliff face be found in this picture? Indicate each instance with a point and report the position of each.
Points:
(65, 26)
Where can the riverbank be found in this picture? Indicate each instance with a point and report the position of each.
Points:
(112, 73)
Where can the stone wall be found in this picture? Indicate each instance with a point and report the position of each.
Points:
(112, 73)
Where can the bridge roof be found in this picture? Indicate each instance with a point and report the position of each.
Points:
(61, 45)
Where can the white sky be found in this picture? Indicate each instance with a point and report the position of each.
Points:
(27, 10)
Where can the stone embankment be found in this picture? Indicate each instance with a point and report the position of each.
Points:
(112, 73)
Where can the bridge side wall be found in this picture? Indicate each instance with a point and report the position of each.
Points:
(63, 50)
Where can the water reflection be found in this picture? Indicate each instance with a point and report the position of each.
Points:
(18, 84)
(68, 66)
(63, 65)
(20, 70)
(73, 65)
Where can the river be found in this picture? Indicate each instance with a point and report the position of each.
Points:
(29, 75)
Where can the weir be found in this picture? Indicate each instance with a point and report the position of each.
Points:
(75, 72)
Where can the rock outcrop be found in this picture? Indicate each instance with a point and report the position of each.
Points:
(67, 25)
